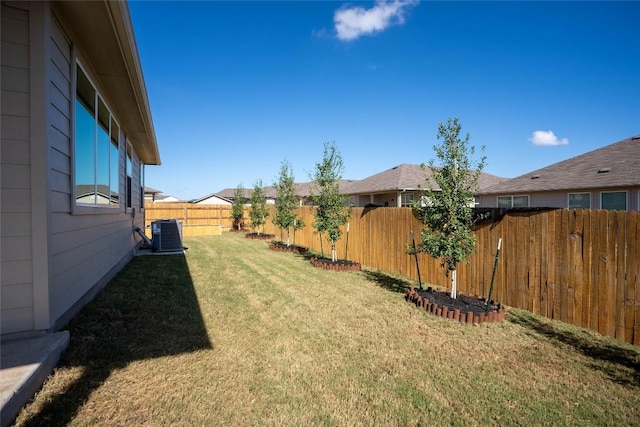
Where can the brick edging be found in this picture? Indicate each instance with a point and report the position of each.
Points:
(260, 237)
(469, 318)
(291, 248)
(353, 266)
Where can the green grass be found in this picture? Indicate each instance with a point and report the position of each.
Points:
(236, 334)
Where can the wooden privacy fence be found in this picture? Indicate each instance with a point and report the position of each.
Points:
(197, 220)
(576, 266)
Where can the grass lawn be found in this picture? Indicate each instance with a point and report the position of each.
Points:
(236, 334)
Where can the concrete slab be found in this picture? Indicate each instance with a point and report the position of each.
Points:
(147, 251)
(24, 366)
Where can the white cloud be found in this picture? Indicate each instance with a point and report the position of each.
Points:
(547, 138)
(353, 22)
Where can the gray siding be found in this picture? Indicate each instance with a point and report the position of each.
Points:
(560, 199)
(55, 258)
(87, 247)
(16, 235)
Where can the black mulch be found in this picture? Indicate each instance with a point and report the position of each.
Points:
(465, 303)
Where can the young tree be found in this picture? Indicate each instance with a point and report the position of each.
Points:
(237, 211)
(331, 213)
(446, 209)
(258, 213)
(286, 199)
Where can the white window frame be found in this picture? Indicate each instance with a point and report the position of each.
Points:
(350, 201)
(626, 199)
(86, 208)
(511, 197)
(406, 200)
(584, 192)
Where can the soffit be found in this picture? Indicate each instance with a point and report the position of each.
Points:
(102, 31)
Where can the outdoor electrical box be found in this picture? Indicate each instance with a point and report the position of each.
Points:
(166, 235)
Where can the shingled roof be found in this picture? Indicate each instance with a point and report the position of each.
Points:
(406, 177)
(302, 189)
(615, 165)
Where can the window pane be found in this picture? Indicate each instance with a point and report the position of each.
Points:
(520, 201)
(85, 92)
(614, 201)
(580, 201)
(85, 168)
(102, 156)
(504, 202)
(129, 156)
(114, 158)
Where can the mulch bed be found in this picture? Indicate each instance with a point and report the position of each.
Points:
(259, 236)
(467, 309)
(339, 265)
(282, 247)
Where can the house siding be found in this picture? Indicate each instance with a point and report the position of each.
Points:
(54, 259)
(87, 249)
(560, 199)
(16, 292)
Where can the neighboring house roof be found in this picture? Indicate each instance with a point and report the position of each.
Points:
(406, 177)
(306, 189)
(209, 196)
(302, 189)
(149, 190)
(229, 193)
(110, 47)
(615, 165)
(159, 198)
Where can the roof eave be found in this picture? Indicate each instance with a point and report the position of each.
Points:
(108, 43)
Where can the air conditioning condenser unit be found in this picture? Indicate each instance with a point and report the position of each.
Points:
(167, 235)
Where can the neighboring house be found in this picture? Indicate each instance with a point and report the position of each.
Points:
(395, 187)
(606, 178)
(229, 195)
(399, 186)
(212, 199)
(76, 132)
(166, 199)
(150, 194)
(303, 191)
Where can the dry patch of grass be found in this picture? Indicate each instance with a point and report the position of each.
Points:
(236, 334)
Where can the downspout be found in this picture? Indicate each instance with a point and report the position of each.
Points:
(399, 198)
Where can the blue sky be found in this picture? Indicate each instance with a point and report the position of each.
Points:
(238, 87)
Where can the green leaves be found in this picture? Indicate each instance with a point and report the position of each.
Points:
(286, 199)
(237, 211)
(258, 213)
(446, 208)
(331, 214)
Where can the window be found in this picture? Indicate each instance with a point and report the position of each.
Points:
(406, 200)
(579, 200)
(513, 201)
(350, 201)
(141, 186)
(129, 173)
(96, 147)
(614, 200)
